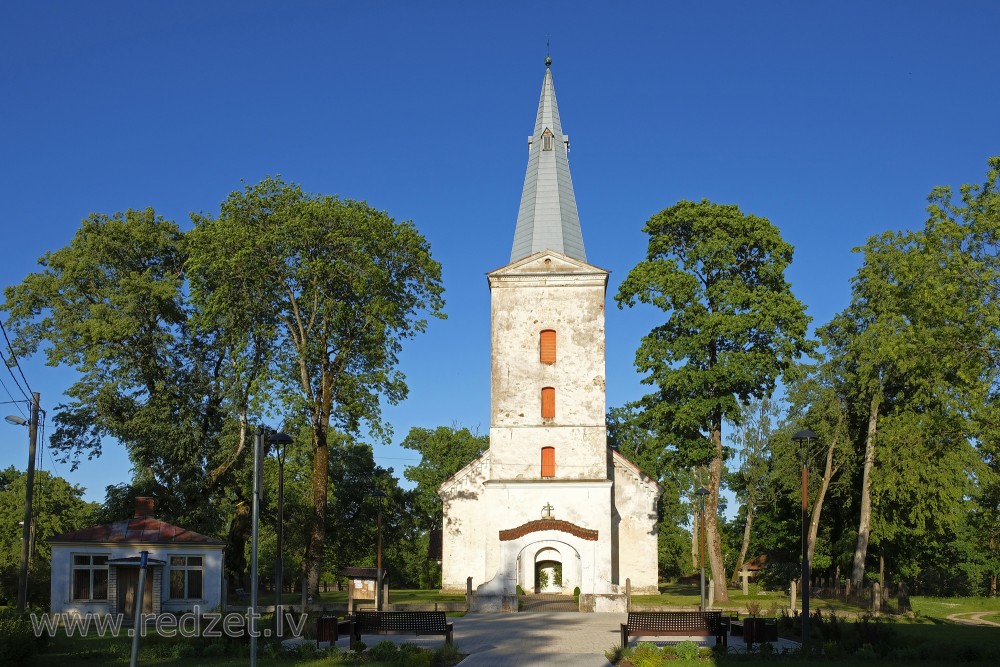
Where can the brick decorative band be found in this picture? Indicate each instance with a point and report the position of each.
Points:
(548, 524)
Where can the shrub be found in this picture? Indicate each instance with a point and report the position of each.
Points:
(520, 591)
(17, 638)
(646, 654)
(385, 650)
(215, 650)
(686, 650)
(445, 654)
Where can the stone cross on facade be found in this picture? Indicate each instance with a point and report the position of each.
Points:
(547, 511)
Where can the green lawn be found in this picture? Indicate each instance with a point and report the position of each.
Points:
(340, 597)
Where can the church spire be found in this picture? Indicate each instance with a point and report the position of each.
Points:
(548, 219)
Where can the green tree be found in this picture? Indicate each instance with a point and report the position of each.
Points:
(334, 287)
(733, 328)
(750, 481)
(443, 451)
(917, 346)
(57, 507)
(115, 306)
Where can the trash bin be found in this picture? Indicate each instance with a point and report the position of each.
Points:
(326, 629)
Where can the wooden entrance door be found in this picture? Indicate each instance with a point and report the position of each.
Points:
(128, 583)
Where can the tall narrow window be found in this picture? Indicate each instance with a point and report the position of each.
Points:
(548, 461)
(546, 140)
(548, 403)
(547, 347)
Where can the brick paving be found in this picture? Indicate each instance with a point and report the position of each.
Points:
(540, 639)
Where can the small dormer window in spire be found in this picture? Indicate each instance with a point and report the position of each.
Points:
(547, 140)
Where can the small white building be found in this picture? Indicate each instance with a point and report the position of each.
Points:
(96, 570)
(549, 507)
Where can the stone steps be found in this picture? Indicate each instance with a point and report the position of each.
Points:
(544, 602)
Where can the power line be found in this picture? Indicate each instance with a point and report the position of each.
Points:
(16, 402)
(13, 358)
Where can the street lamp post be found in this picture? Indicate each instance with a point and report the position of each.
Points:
(803, 438)
(701, 493)
(281, 440)
(258, 451)
(379, 499)
(22, 584)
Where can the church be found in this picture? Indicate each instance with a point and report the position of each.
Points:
(549, 507)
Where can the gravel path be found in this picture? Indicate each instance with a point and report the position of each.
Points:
(974, 618)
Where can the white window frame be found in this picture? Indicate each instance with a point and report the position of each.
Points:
(89, 567)
(186, 567)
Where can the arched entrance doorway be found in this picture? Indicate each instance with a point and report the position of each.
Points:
(548, 571)
(549, 567)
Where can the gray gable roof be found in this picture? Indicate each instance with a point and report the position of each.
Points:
(548, 219)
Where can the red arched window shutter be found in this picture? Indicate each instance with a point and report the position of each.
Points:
(548, 461)
(548, 403)
(547, 347)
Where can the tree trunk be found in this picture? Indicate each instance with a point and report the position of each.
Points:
(240, 531)
(864, 523)
(746, 541)
(712, 532)
(317, 535)
(695, 538)
(828, 472)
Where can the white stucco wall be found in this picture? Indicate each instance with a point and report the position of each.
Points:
(464, 533)
(548, 292)
(504, 489)
(61, 590)
(636, 496)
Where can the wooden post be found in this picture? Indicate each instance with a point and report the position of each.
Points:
(793, 597)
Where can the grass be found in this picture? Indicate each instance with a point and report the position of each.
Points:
(401, 596)
(96, 651)
(689, 595)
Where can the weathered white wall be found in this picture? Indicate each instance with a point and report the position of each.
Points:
(504, 489)
(548, 291)
(465, 530)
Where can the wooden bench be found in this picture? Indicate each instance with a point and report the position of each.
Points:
(401, 622)
(676, 624)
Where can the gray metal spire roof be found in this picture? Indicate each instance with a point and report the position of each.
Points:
(548, 219)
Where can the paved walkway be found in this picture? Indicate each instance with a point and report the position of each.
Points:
(538, 639)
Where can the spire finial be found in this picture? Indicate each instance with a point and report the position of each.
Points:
(548, 49)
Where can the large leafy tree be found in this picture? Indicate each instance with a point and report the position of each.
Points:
(185, 340)
(733, 328)
(112, 306)
(918, 348)
(329, 288)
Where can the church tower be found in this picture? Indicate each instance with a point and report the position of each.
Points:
(549, 507)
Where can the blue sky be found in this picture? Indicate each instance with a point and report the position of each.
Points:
(834, 120)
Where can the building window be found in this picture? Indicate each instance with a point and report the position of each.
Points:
(90, 577)
(548, 403)
(548, 461)
(185, 577)
(546, 140)
(547, 347)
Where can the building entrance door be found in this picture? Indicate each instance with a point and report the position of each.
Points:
(128, 584)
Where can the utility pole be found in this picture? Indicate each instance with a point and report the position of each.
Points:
(22, 587)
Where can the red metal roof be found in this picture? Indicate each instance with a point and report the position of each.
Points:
(137, 529)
